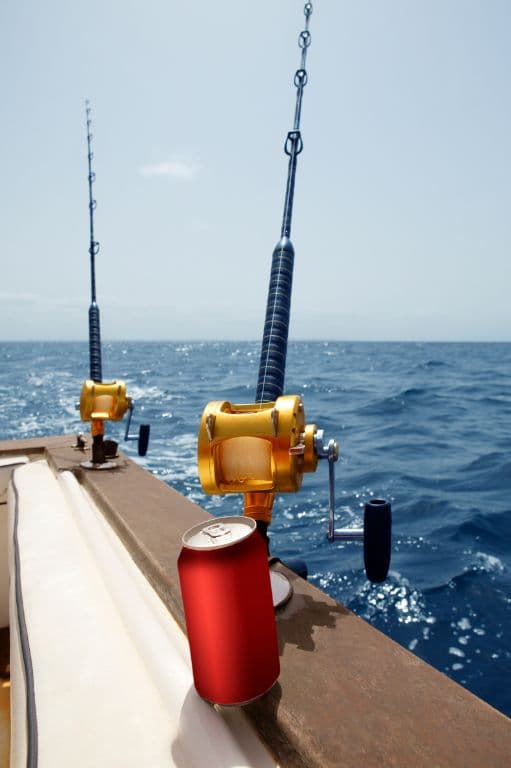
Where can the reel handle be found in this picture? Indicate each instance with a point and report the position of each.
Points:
(143, 432)
(377, 531)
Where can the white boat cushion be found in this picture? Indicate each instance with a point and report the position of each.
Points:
(112, 677)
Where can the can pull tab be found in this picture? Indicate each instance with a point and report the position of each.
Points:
(217, 531)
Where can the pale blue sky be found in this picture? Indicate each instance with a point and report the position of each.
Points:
(402, 225)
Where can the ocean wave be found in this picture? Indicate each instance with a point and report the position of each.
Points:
(410, 397)
(433, 364)
(488, 473)
(141, 393)
(492, 529)
(423, 425)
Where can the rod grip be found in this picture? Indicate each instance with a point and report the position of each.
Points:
(272, 365)
(94, 343)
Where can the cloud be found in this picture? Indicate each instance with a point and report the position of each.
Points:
(35, 300)
(178, 169)
(18, 298)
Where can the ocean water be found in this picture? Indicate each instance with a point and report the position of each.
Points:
(426, 426)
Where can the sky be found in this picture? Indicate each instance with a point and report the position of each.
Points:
(402, 225)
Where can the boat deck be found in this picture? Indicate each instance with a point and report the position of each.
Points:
(347, 694)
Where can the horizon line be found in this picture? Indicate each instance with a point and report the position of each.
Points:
(256, 341)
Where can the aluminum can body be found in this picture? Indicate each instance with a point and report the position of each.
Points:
(230, 620)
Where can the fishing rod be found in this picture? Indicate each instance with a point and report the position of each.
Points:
(263, 448)
(102, 401)
(94, 324)
(272, 365)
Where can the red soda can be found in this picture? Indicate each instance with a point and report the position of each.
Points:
(227, 598)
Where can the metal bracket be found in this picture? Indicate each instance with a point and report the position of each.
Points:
(376, 533)
(330, 451)
(210, 426)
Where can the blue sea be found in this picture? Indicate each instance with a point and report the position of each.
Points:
(425, 425)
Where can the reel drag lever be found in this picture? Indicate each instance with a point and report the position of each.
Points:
(376, 533)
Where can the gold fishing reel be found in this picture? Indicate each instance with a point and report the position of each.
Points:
(261, 449)
(100, 402)
(108, 401)
(256, 449)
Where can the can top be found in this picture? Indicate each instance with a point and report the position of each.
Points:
(218, 533)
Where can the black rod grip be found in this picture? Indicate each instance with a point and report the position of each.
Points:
(94, 343)
(272, 365)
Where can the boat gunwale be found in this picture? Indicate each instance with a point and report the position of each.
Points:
(347, 694)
